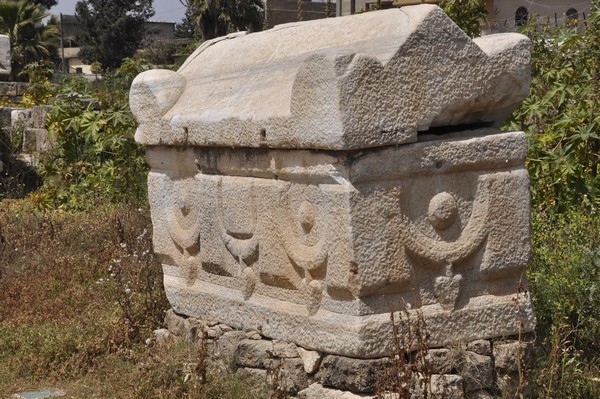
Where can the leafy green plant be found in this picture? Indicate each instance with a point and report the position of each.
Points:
(95, 158)
(468, 14)
(561, 119)
(565, 284)
(562, 114)
(40, 89)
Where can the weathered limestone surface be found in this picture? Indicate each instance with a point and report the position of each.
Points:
(5, 67)
(291, 193)
(451, 372)
(318, 247)
(343, 83)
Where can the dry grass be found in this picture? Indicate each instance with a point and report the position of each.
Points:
(80, 293)
(409, 371)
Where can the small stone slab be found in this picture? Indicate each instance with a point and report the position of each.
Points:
(5, 66)
(252, 353)
(348, 374)
(317, 391)
(38, 394)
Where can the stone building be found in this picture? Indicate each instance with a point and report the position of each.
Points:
(506, 15)
(503, 15)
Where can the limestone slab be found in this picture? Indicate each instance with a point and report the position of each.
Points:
(5, 65)
(39, 394)
(317, 391)
(352, 82)
(317, 247)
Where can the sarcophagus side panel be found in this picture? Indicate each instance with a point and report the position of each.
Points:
(309, 188)
(331, 244)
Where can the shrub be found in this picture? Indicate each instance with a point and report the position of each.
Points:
(565, 283)
(561, 118)
(562, 114)
(95, 159)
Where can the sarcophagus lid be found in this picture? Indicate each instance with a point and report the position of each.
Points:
(342, 83)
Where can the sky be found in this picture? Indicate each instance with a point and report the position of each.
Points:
(165, 10)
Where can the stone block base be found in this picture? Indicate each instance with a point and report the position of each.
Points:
(476, 369)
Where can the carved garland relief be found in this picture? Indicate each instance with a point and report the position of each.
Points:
(184, 228)
(304, 240)
(442, 256)
(303, 224)
(241, 240)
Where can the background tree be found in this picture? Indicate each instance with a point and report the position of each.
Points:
(214, 18)
(187, 28)
(47, 4)
(31, 38)
(111, 30)
(468, 14)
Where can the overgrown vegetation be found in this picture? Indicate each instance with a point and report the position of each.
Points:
(409, 371)
(94, 272)
(95, 159)
(562, 120)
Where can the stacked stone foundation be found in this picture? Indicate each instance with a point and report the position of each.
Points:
(483, 368)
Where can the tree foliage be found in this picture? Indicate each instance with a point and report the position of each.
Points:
(47, 4)
(187, 28)
(468, 14)
(111, 30)
(562, 114)
(32, 39)
(214, 18)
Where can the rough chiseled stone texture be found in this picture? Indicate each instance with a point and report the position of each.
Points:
(348, 374)
(291, 194)
(450, 372)
(319, 255)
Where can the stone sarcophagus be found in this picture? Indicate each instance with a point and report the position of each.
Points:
(308, 180)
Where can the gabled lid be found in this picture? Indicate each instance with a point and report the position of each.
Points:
(360, 81)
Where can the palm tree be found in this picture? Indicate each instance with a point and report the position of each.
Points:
(31, 39)
(218, 17)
